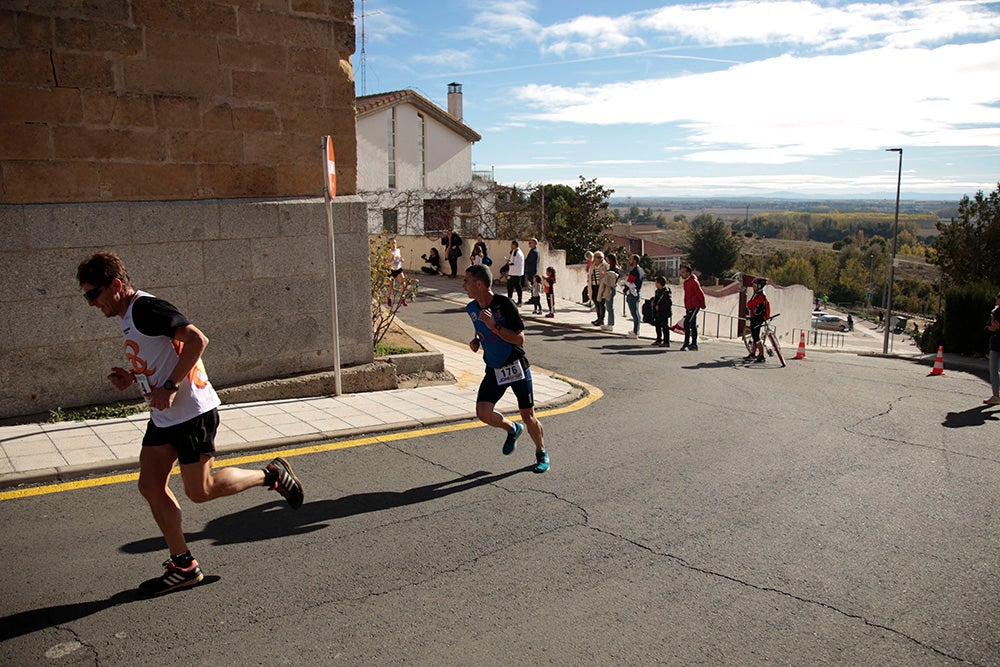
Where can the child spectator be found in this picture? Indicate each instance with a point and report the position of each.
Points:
(536, 295)
(662, 306)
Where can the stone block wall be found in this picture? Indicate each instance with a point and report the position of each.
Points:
(254, 275)
(129, 100)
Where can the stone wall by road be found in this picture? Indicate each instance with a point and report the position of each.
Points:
(254, 275)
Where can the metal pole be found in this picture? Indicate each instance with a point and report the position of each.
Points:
(892, 262)
(328, 199)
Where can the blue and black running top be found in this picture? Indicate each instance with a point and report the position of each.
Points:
(497, 352)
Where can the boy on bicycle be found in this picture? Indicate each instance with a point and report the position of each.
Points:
(758, 309)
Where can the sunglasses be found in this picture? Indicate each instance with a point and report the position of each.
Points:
(92, 294)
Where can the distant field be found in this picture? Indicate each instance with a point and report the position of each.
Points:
(925, 213)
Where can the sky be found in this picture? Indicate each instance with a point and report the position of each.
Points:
(785, 98)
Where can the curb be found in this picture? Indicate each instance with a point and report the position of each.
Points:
(127, 466)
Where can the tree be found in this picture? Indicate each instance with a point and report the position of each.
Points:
(712, 247)
(384, 306)
(968, 249)
(580, 221)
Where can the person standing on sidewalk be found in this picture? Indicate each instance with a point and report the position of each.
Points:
(597, 271)
(694, 300)
(606, 292)
(633, 293)
(530, 264)
(993, 327)
(662, 312)
(515, 276)
(500, 335)
(164, 352)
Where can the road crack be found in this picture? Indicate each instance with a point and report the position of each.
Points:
(855, 429)
(683, 563)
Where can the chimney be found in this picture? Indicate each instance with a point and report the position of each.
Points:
(455, 100)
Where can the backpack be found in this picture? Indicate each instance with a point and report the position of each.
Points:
(647, 311)
(487, 261)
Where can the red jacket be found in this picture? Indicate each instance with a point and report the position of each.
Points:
(694, 297)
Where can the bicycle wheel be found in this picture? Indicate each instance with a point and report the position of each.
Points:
(748, 341)
(777, 350)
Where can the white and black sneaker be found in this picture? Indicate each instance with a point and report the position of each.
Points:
(278, 476)
(174, 578)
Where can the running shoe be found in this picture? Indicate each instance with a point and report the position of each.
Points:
(992, 400)
(285, 482)
(541, 461)
(759, 360)
(512, 436)
(750, 357)
(172, 579)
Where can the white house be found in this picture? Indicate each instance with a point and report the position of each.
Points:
(415, 165)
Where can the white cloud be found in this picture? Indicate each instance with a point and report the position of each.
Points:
(504, 22)
(562, 142)
(447, 58)
(788, 108)
(382, 22)
(585, 35)
(801, 23)
(752, 184)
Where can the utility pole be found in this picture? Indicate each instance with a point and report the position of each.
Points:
(892, 261)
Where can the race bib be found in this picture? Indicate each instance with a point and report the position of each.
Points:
(143, 382)
(509, 373)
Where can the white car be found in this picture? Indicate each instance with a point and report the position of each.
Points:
(830, 322)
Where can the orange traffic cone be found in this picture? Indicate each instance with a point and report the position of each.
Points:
(938, 363)
(801, 354)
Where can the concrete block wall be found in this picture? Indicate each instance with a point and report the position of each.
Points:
(252, 274)
(138, 100)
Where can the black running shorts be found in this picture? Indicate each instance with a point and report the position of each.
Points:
(191, 439)
(491, 392)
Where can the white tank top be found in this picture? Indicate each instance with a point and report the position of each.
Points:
(155, 357)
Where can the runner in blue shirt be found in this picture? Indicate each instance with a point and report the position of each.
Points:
(500, 335)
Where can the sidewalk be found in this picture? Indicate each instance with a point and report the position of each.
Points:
(33, 453)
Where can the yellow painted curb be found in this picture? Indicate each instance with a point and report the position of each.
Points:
(593, 394)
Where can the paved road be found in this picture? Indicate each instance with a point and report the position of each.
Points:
(837, 511)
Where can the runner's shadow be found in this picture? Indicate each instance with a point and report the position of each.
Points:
(976, 416)
(634, 350)
(274, 520)
(33, 620)
(721, 363)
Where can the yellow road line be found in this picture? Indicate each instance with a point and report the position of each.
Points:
(593, 395)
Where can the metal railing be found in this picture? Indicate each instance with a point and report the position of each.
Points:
(817, 338)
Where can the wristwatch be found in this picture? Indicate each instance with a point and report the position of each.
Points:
(170, 386)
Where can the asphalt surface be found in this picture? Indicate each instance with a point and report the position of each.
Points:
(840, 510)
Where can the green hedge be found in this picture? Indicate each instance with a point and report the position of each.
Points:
(966, 314)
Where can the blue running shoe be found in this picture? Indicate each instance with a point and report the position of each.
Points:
(511, 441)
(541, 461)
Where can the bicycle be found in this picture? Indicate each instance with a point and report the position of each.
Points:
(767, 336)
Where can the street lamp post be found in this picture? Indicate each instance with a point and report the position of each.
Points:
(892, 261)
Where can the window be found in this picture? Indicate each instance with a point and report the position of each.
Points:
(391, 147)
(390, 221)
(421, 143)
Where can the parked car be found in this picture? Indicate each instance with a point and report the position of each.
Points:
(830, 322)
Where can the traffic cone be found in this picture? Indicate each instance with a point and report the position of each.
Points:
(801, 354)
(938, 363)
